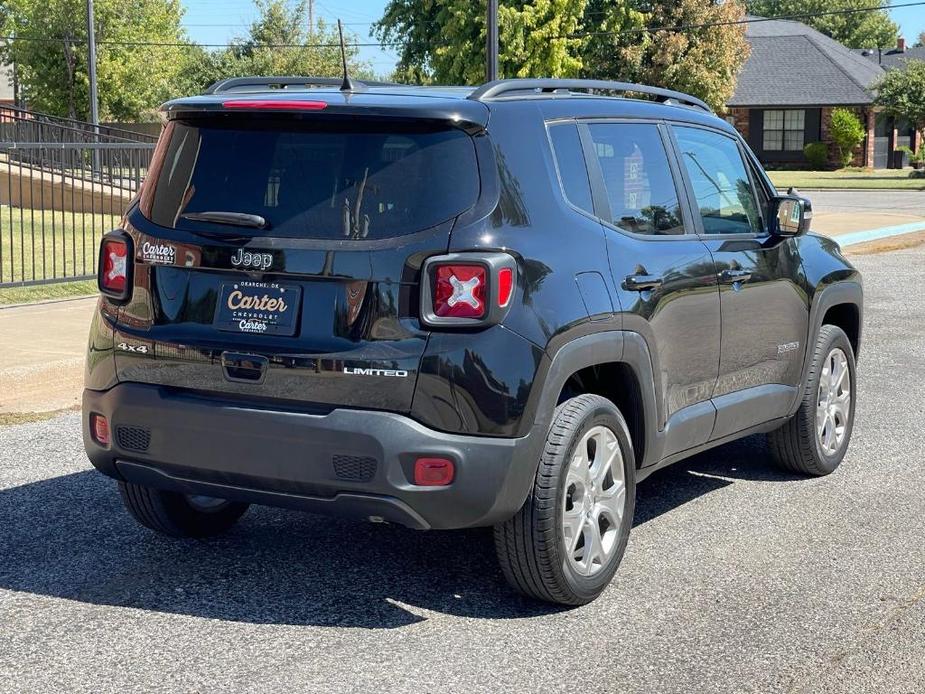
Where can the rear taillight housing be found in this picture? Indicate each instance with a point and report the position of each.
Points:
(467, 289)
(115, 266)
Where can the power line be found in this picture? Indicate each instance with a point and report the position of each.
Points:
(378, 44)
(732, 22)
(189, 44)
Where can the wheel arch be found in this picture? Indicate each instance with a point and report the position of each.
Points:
(615, 365)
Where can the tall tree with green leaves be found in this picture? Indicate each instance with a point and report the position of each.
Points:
(865, 28)
(444, 41)
(50, 51)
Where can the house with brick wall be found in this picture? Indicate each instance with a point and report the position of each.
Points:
(793, 79)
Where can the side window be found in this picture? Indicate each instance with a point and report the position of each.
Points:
(640, 187)
(566, 145)
(720, 182)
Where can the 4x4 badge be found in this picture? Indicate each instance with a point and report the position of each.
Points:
(254, 261)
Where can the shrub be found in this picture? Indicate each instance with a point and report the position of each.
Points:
(847, 133)
(817, 154)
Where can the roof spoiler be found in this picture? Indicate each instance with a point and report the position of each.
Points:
(527, 87)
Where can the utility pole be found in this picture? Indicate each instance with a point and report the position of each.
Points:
(491, 36)
(311, 18)
(94, 96)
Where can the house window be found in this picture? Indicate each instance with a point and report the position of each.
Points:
(783, 130)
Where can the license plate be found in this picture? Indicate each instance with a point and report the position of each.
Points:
(261, 308)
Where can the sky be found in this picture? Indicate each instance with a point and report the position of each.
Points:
(218, 21)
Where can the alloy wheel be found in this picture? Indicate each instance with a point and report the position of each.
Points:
(594, 501)
(833, 405)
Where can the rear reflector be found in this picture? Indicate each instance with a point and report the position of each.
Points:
(505, 286)
(291, 104)
(99, 429)
(114, 266)
(433, 472)
(459, 291)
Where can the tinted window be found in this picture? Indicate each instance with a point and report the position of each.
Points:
(640, 188)
(313, 181)
(571, 162)
(720, 182)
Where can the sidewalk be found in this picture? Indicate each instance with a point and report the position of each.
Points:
(43, 348)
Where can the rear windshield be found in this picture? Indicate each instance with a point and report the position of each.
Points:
(311, 181)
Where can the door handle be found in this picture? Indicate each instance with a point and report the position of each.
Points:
(731, 276)
(244, 368)
(642, 282)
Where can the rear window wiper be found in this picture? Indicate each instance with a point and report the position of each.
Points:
(238, 219)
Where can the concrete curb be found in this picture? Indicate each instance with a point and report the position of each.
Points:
(856, 237)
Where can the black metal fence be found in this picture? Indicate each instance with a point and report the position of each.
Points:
(62, 186)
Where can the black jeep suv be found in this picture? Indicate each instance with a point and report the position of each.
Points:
(457, 307)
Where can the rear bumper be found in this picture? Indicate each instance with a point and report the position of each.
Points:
(349, 462)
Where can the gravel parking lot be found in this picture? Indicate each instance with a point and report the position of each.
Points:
(738, 578)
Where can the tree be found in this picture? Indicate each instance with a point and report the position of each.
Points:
(51, 54)
(702, 59)
(867, 29)
(920, 41)
(846, 132)
(901, 93)
(444, 41)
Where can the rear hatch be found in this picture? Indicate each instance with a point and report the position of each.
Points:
(277, 256)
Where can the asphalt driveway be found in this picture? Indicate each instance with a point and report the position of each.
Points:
(738, 578)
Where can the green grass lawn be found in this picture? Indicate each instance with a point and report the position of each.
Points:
(871, 179)
(50, 244)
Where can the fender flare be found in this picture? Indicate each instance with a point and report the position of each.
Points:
(845, 292)
(609, 346)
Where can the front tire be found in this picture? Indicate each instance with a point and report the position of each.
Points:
(815, 440)
(179, 515)
(566, 542)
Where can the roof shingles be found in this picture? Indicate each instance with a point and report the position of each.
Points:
(792, 64)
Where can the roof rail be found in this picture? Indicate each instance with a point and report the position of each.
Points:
(498, 88)
(234, 84)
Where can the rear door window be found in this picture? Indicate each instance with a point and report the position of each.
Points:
(314, 181)
(640, 187)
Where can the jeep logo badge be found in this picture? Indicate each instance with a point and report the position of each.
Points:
(252, 261)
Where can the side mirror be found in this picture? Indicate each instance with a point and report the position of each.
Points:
(789, 215)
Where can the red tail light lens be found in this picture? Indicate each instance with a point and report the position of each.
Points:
(99, 429)
(460, 291)
(433, 472)
(115, 265)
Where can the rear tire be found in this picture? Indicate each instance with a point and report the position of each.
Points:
(177, 515)
(815, 440)
(566, 542)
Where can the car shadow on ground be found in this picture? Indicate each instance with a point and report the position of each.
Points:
(69, 537)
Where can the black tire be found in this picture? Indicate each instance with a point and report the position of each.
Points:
(531, 545)
(175, 515)
(796, 445)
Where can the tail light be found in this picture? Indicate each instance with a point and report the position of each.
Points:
(115, 265)
(467, 289)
